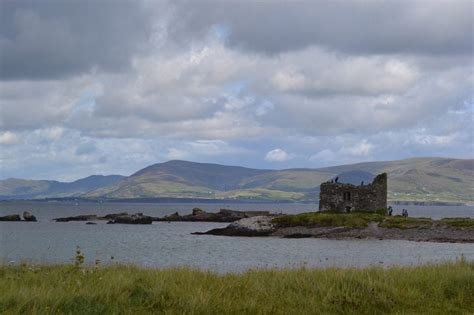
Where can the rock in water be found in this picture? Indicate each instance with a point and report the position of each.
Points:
(254, 226)
(198, 211)
(138, 218)
(112, 216)
(87, 217)
(224, 215)
(27, 216)
(11, 217)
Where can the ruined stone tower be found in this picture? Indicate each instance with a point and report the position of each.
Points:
(342, 197)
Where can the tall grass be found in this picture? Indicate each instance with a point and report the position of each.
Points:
(433, 289)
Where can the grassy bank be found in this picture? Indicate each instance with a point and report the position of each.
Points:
(437, 289)
(362, 220)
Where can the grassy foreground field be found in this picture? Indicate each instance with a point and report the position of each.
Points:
(434, 289)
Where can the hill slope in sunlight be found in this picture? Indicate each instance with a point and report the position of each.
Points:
(417, 179)
(421, 179)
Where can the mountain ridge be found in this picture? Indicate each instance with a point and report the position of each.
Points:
(415, 179)
(34, 189)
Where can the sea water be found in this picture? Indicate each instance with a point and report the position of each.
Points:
(165, 244)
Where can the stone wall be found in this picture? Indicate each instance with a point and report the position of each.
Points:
(347, 197)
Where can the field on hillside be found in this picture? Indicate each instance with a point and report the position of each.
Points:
(417, 179)
(433, 289)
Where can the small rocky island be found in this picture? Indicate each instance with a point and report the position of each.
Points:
(224, 215)
(27, 217)
(114, 218)
(357, 225)
(197, 215)
(348, 211)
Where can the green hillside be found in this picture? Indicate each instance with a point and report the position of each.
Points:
(418, 179)
(423, 179)
(13, 188)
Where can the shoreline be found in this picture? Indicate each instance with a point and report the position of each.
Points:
(374, 227)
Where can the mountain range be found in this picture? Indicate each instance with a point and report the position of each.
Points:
(416, 179)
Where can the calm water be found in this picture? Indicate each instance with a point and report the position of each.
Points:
(171, 244)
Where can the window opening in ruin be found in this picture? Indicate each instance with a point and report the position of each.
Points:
(347, 196)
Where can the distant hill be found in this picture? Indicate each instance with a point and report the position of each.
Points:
(422, 179)
(14, 188)
(355, 177)
(418, 179)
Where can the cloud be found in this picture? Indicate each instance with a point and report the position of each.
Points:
(345, 149)
(8, 138)
(359, 27)
(54, 133)
(202, 150)
(55, 39)
(277, 155)
(36, 104)
(432, 140)
(138, 82)
(86, 148)
(314, 71)
(363, 148)
(190, 93)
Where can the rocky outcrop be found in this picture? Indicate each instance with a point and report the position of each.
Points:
(263, 226)
(91, 217)
(86, 217)
(224, 215)
(198, 215)
(113, 216)
(373, 231)
(27, 216)
(255, 226)
(11, 217)
(137, 218)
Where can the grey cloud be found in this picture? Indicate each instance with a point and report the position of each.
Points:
(34, 104)
(430, 98)
(86, 148)
(56, 39)
(133, 84)
(435, 27)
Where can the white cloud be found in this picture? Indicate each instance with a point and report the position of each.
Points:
(315, 71)
(344, 149)
(436, 140)
(54, 133)
(361, 149)
(8, 138)
(325, 155)
(277, 155)
(177, 154)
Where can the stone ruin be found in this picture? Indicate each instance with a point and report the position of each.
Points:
(341, 197)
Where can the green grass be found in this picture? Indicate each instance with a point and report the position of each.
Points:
(459, 222)
(329, 219)
(431, 289)
(403, 223)
(362, 220)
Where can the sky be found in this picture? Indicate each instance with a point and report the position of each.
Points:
(109, 87)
